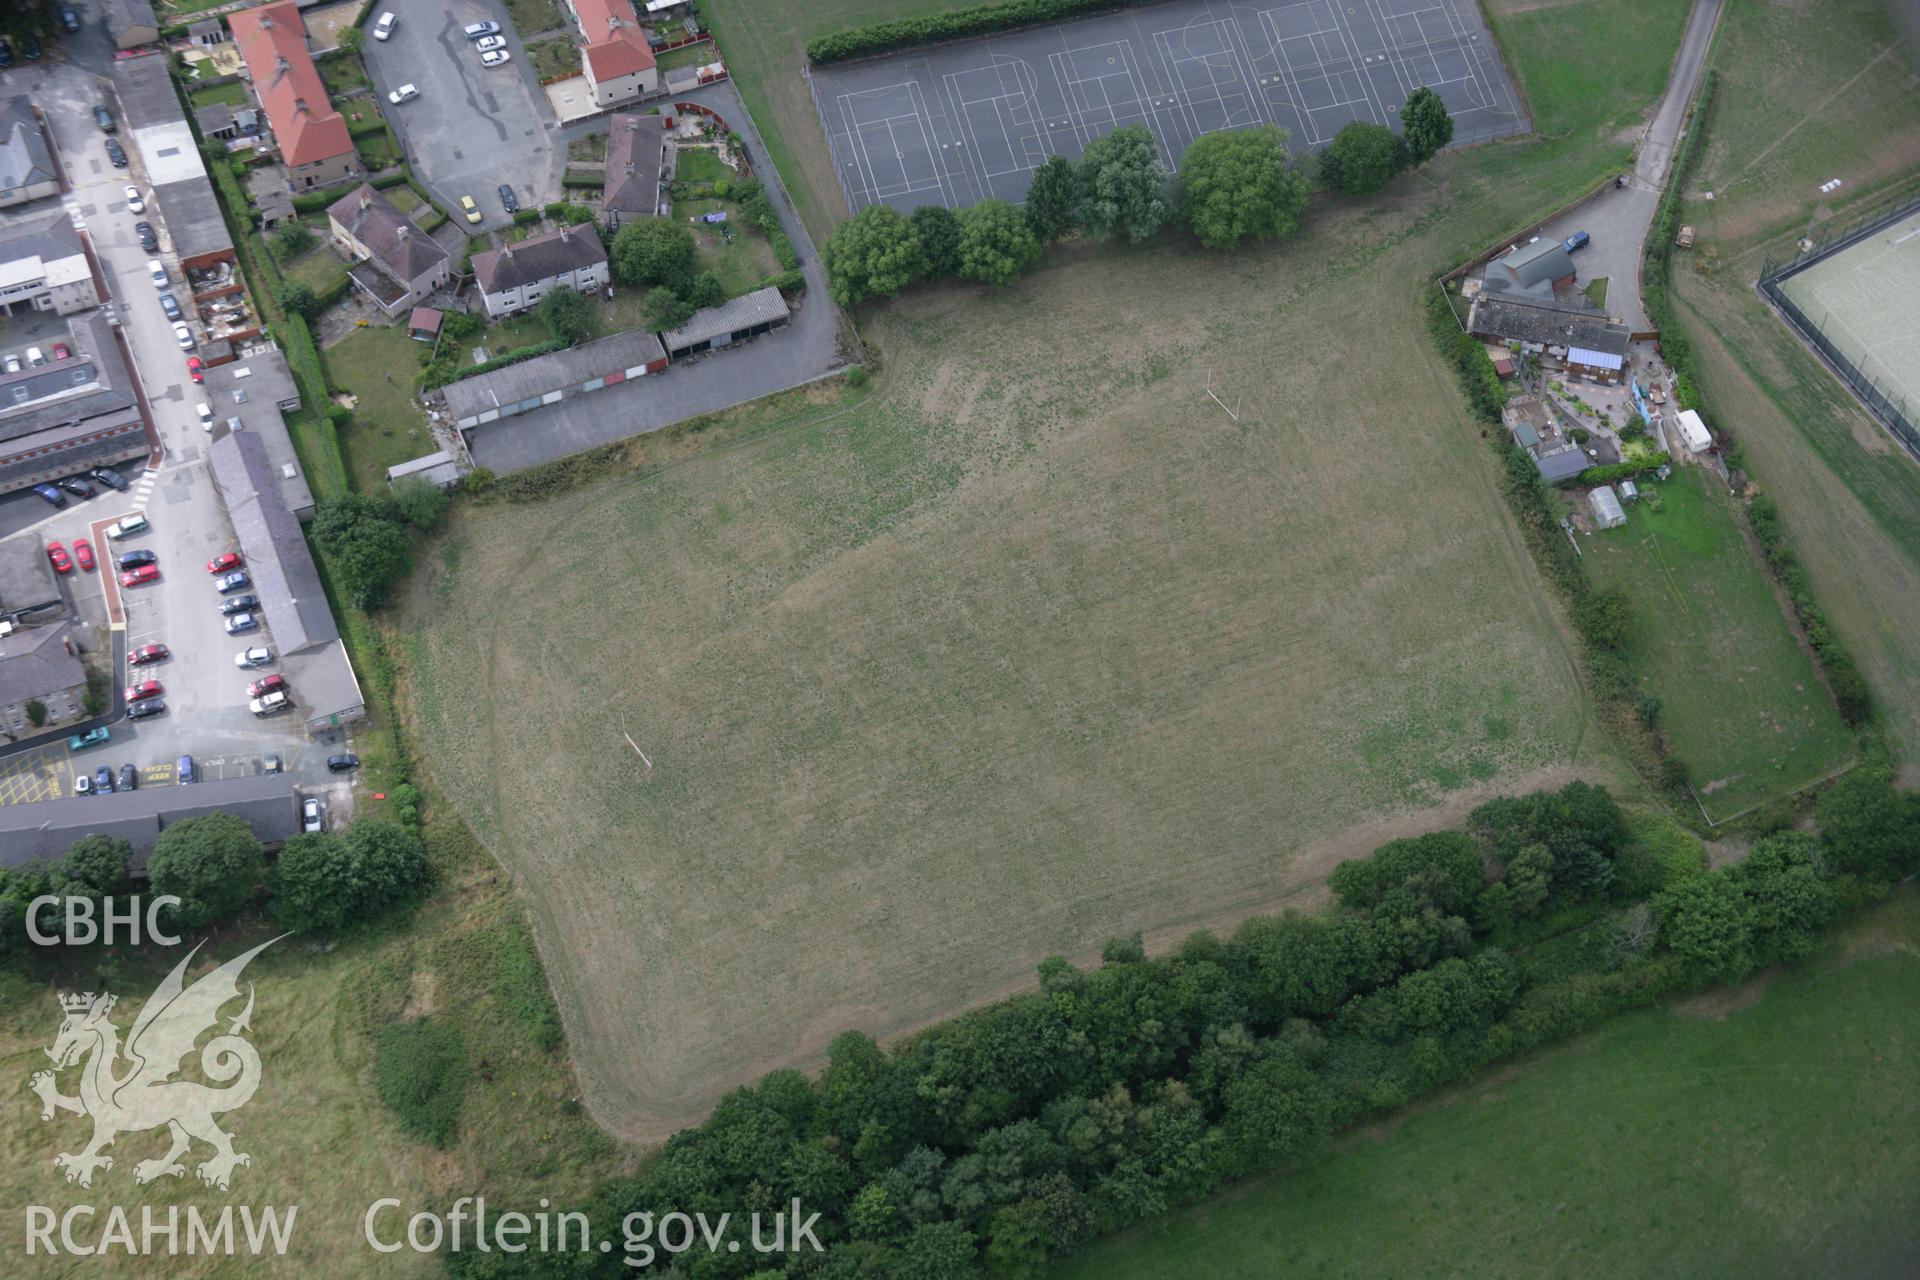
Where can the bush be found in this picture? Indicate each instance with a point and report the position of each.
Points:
(290, 239)
(210, 863)
(326, 881)
(857, 377)
(36, 712)
(1617, 471)
(367, 547)
(421, 1073)
(953, 24)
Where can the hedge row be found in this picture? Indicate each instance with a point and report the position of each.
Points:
(954, 24)
(1469, 358)
(1613, 471)
(435, 378)
(303, 358)
(1850, 694)
(583, 181)
(786, 281)
(403, 176)
(1657, 273)
(753, 202)
(314, 201)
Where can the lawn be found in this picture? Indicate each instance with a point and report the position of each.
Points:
(342, 72)
(744, 261)
(1839, 102)
(1757, 1132)
(318, 268)
(531, 17)
(1596, 291)
(554, 58)
(702, 164)
(592, 147)
(692, 55)
(379, 149)
(233, 94)
(1740, 701)
(388, 426)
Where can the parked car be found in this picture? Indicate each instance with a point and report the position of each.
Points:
(83, 553)
(57, 554)
(91, 738)
(148, 654)
(184, 769)
(171, 305)
(267, 684)
(469, 208)
(225, 562)
(109, 477)
(272, 764)
(239, 604)
(144, 689)
(196, 370)
(266, 706)
(405, 93)
(342, 762)
(76, 486)
(69, 20)
(241, 623)
(103, 780)
(149, 239)
(127, 526)
(474, 30)
(104, 118)
(51, 494)
(129, 778)
(151, 707)
(1578, 240)
(61, 351)
(495, 58)
(136, 203)
(12, 363)
(134, 559)
(183, 336)
(205, 414)
(116, 154)
(507, 198)
(157, 272)
(232, 582)
(137, 577)
(258, 656)
(36, 357)
(383, 26)
(82, 785)
(310, 819)
(486, 44)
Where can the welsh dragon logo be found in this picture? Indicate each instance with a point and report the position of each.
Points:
(138, 1093)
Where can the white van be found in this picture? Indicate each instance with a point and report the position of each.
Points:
(35, 357)
(383, 29)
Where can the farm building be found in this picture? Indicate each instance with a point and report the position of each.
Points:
(1538, 268)
(735, 320)
(1606, 508)
(1557, 332)
(543, 380)
(1595, 366)
(1693, 432)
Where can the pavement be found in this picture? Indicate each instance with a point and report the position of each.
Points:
(472, 127)
(808, 348)
(207, 716)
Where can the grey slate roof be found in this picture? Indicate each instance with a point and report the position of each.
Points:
(26, 579)
(47, 828)
(538, 258)
(49, 236)
(390, 236)
(634, 147)
(267, 383)
(123, 16)
(1510, 318)
(91, 387)
(1563, 463)
(556, 371)
(284, 575)
(146, 91)
(24, 158)
(34, 662)
(731, 316)
(192, 215)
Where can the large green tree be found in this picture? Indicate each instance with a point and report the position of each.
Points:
(653, 251)
(1869, 828)
(98, 864)
(939, 230)
(1123, 185)
(211, 863)
(1427, 125)
(566, 315)
(873, 254)
(666, 309)
(996, 245)
(1053, 197)
(1362, 158)
(1237, 183)
(366, 545)
(328, 880)
(1708, 922)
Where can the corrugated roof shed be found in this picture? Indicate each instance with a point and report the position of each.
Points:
(1543, 260)
(1598, 359)
(284, 575)
(572, 367)
(744, 312)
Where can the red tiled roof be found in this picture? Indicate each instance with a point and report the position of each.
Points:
(616, 46)
(273, 41)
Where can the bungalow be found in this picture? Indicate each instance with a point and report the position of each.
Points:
(616, 58)
(639, 166)
(1531, 424)
(313, 138)
(515, 277)
(26, 162)
(396, 263)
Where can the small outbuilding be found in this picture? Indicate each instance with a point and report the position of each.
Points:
(1693, 432)
(735, 320)
(424, 324)
(1629, 491)
(1606, 508)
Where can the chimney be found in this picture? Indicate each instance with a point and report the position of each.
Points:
(300, 106)
(366, 199)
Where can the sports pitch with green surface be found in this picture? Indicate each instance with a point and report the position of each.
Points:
(1866, 300)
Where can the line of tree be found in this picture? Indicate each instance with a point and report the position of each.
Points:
(368, 540)
(1003, 1138)
(1233, 186)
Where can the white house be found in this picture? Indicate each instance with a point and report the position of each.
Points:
(616, 58)
(515, 277)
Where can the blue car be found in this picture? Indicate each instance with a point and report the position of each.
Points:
(103, 781)
(1578, 240)
(185, 769)
(51, 494)
(232, 582)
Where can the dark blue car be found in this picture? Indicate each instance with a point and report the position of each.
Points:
(51, 494)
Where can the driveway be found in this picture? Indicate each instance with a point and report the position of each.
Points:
(472, 127)
(803, 351)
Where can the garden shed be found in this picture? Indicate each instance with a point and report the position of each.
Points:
(1606, 508)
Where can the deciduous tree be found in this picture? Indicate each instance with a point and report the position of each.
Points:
(939, 230)
(1123, 185)
(996, 245)
(1052, 199)
(328, 880)
(1362, 158)
(366, 546)
(874, 254)
(1428, 127)
(1237, 183)
(667, 310)
(1708, 922)
(566, 315)
(653, 251)
(210, 863)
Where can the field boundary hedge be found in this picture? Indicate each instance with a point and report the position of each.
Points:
(954, 24)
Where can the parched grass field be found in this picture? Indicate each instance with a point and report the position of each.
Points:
(1740, 700)
(1811, 91)
(1754, 1132)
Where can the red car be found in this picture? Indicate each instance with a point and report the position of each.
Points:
(61, 351)
(145, 689)
(195, 369)
(83, 552)
(144, 573)
(265, 685)
(58, 554)
(147, 653)
(224, 563)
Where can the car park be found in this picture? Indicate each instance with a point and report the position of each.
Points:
(239, 604)
(134, 559)
(232, 582)
(242, 623)
(136, 203)
(225, 562)
(469, 208)
(507, 198)
(148, 654)
(184, 769)
(57, 555)
(103, 780)
(196, 370)
(116, 154)
(51, 494)
(127, 526)
(310, 819)
(83, 554)
(183, 336)
(475, 30)
(495, 58)
(76, 486)
(267, 684)
(171, 305)
(486, 44)
(144, 689)
(268, 704)
(405, 93)
(91, 738)
(383, 26)
(258, 656)
(143, 710)
(104, 118)
(137, 577)
(129, 778)
(343, 762)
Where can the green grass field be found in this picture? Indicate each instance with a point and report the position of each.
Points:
(1740, 701)
(388, 426)
(1758, 1132)
(1810, 92)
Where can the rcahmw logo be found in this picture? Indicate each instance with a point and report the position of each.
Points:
(132, 1091)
